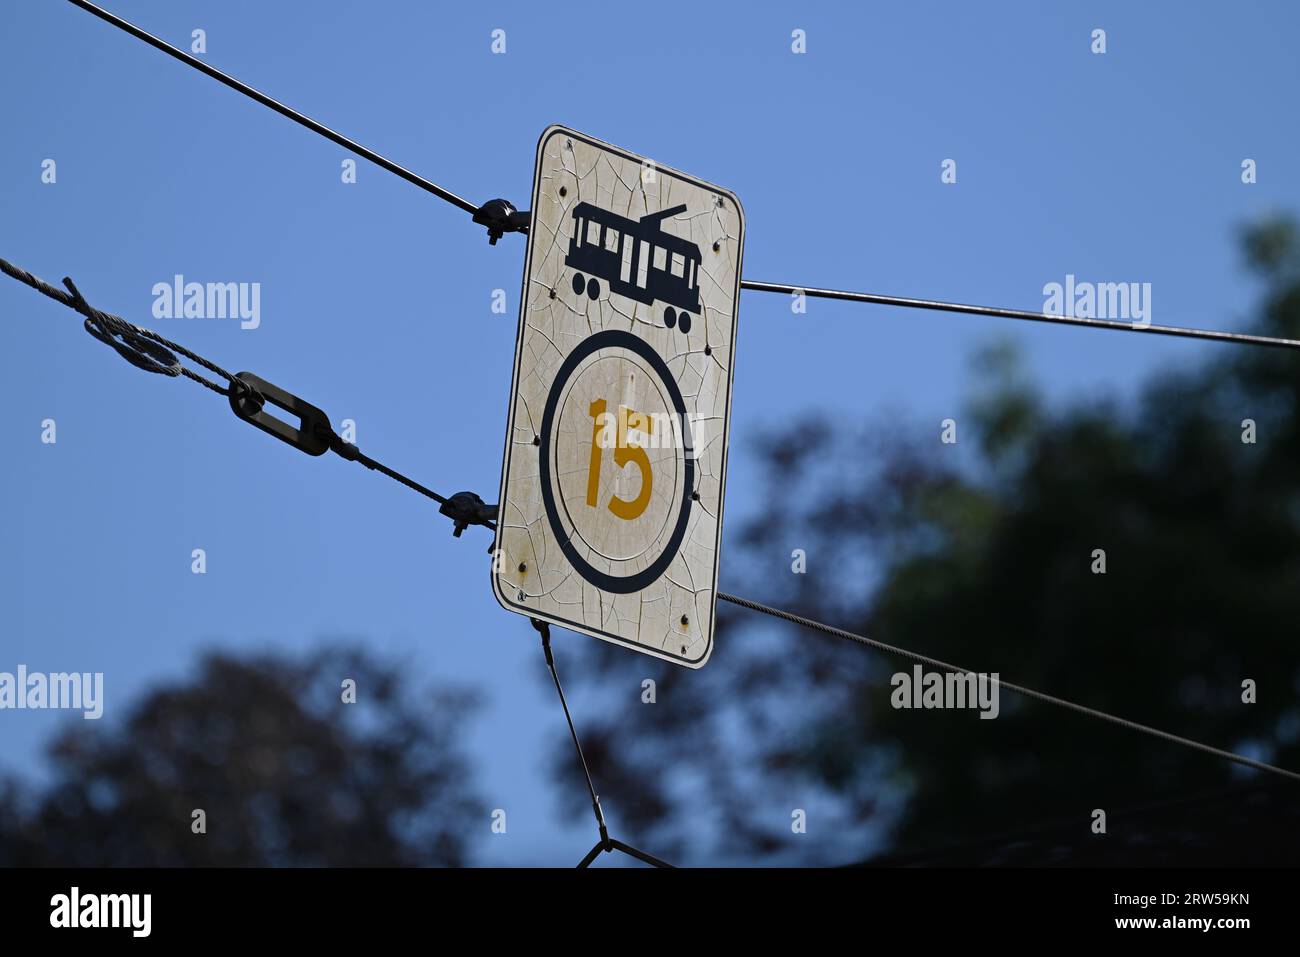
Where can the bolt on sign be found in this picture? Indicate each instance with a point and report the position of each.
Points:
(616, 451)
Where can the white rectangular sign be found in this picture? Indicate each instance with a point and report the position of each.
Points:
(610, 515)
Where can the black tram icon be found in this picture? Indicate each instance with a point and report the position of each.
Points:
(637, 259)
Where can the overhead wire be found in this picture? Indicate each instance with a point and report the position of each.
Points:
(260, 97)
(500, 216)
(1096, 713)
(248, 394)
(1240, 338)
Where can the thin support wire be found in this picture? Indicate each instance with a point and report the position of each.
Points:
(260, 97)
(606, 843)
(1018, 689)
(147, 350)
(1240, 338)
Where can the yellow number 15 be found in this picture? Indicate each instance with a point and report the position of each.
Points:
(623, 455)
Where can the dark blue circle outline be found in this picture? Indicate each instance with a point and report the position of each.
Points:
(617, 339)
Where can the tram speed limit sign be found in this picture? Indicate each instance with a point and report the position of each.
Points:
(615, 465)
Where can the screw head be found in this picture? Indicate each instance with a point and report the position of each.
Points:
(523, 567)
(685, 621)
(716, 245)
(564, 191)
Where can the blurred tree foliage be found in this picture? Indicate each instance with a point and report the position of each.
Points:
(286, 773)
(982, 554)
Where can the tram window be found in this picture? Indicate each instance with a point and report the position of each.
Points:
(593, 232)
(642, 262)
(679, 265)
(611, 239)
(661, 258)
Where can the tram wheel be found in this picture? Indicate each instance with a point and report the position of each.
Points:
(593, 288)
(670, 316)
(579, 283)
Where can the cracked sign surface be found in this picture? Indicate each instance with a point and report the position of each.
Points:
(616, 450)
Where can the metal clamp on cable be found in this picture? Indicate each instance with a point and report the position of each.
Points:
(466, 509)
(248, 397)
(500, 217)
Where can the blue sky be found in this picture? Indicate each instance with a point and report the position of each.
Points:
(376, 298)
